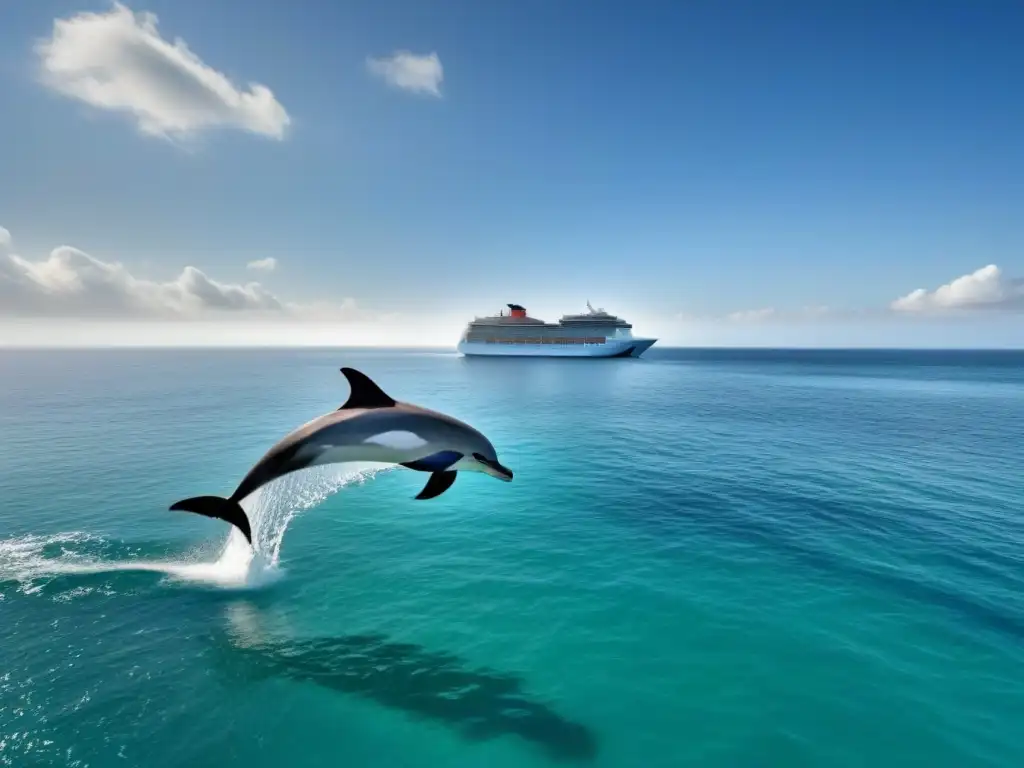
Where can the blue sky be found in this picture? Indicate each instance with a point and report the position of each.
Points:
(710, 170)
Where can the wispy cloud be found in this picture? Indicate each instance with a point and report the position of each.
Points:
(752, 315)
(985, 288)
(410, 72)
(268, 264)
(5, 239)
(70, 283)
(763, 316)
(118, 61)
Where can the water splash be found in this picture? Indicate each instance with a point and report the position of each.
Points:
(33, 561)
(270, 511)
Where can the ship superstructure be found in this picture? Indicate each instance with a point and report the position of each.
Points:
(594, 333)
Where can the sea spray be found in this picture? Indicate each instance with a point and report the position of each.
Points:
(271, 510)
(31, 561)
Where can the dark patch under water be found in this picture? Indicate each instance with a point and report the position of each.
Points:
(479, 704)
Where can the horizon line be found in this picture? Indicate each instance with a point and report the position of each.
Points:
(446, 348)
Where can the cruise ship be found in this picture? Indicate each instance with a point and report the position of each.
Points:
(594, 333)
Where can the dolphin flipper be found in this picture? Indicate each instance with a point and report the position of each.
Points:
(438, 483)
(434, 463)
(364, 394)
(219, 509)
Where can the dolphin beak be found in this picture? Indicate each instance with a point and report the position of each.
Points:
(495, 469)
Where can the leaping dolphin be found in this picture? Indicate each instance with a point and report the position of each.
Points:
(370, 426)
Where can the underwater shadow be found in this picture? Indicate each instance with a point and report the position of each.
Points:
(481, 704)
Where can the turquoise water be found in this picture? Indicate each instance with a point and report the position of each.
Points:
(706, 558)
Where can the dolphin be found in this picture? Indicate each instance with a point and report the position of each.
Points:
(370, 426)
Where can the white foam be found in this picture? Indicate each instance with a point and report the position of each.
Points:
(239, 566)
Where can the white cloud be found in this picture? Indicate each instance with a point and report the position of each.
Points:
(70, 283)
(268, 264)
(986, 288)
(419, 74)
(118, 61)
(5, 238)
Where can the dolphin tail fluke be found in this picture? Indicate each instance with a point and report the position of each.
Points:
(218, 508)
(438, 483)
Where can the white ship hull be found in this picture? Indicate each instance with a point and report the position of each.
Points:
(610, 348)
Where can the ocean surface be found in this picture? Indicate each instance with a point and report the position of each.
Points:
(743, 559)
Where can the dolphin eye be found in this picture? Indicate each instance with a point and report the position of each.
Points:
(481, 458)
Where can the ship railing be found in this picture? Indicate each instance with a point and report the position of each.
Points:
(563, 340)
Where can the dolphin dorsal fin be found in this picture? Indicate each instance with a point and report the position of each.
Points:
(364, 394)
